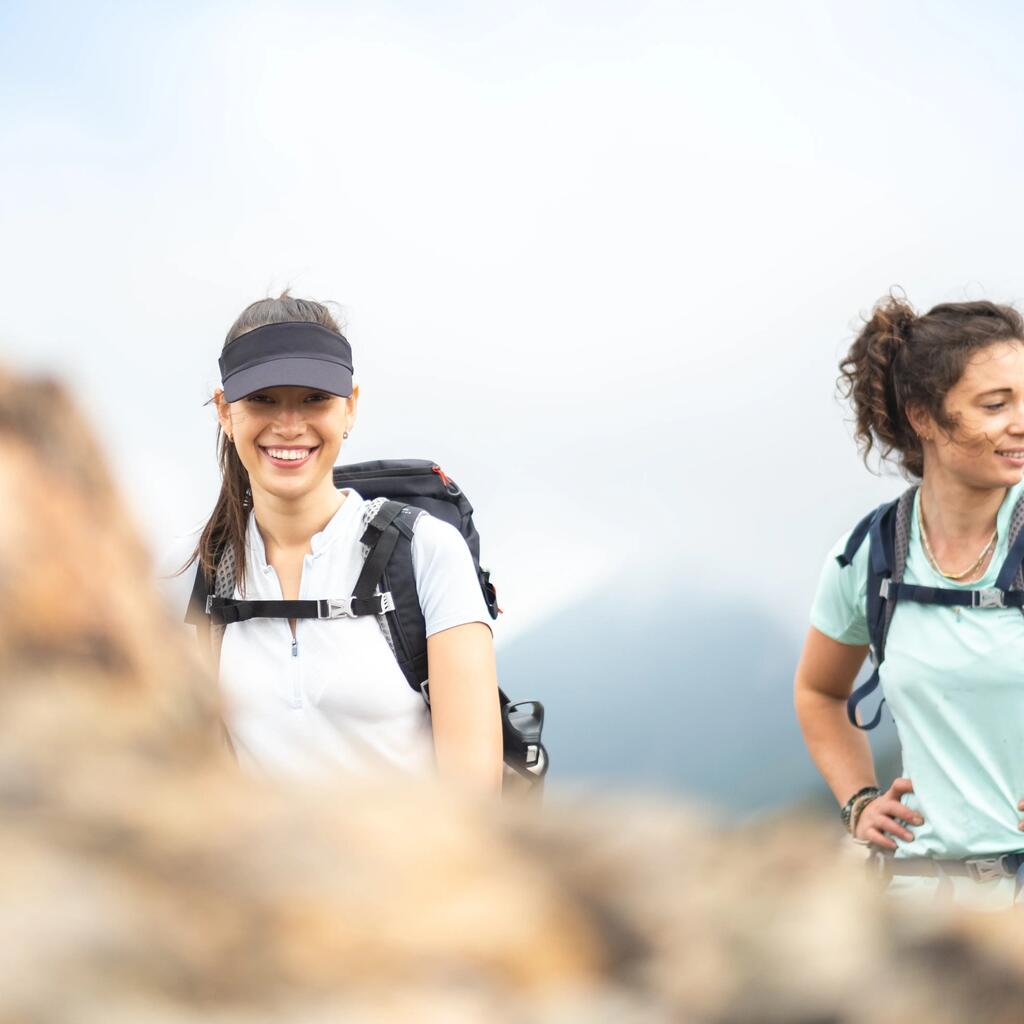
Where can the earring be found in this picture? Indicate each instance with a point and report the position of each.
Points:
(344, 436)
(247, 499)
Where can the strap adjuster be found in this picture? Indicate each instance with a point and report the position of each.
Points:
(334, 608)
(883, 589)
(209, 604)
(990, 597)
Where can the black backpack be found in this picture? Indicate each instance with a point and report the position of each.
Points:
(887, 529)
(401, 490)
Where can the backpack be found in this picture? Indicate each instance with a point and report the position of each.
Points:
(402, 490)
(887, 530)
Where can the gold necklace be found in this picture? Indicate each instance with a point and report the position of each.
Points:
(973, 567)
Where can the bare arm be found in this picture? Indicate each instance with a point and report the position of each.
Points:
(464, 706)
(824, 680)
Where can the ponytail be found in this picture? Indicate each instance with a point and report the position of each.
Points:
(869, 377)
(225, 530)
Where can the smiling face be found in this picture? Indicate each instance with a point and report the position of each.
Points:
(986, 405)
(288, 438)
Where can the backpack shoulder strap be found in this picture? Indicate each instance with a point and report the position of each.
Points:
(900, 551)
(1011, 575)
(210, 631)
(390, 527)
(381, 536)
(888, 532)
(856, 539)
(887, 591)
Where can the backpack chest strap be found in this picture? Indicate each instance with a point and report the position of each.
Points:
(226, 611)
(987, 597)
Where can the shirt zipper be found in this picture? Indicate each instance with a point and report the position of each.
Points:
(296, 688)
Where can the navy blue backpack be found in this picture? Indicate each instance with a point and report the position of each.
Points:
(887, 530)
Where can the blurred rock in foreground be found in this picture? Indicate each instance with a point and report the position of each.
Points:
(144, 879)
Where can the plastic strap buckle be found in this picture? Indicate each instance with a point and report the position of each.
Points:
(536, 762)
(987, 869)
(883, 590)
(387, 602)
(334, 608)
(209, 604)
(990, 597)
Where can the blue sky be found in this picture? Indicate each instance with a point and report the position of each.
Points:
(595, 258)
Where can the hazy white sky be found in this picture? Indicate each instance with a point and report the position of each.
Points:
(598, 259)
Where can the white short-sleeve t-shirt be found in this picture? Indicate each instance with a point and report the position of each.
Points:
(333, 698)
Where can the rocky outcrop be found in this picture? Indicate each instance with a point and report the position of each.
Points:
(144, 878)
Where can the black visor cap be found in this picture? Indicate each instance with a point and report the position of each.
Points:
(292, 354)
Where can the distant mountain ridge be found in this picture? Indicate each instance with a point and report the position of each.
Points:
(655, 689)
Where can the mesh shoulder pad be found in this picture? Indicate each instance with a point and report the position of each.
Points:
(370, 511)
(1013, 541)
(900, 551)
(224, 578)
(901, 539)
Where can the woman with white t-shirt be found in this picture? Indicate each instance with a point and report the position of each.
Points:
(307, 697)
(944, 394)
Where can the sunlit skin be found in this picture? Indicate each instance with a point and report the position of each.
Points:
(293, 500)
(967, 471)
(296, 501)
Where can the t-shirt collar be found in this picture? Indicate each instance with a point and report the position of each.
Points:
(335, 527)
(339, 523)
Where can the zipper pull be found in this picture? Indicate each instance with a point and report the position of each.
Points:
(295, 648)
(445, 479)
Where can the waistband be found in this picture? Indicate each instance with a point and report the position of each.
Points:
(980, 869)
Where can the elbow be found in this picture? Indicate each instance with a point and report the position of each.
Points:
(812, 704)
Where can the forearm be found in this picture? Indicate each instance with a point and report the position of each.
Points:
(841, 752)
(469, 758)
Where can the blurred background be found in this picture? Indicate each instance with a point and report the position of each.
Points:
(599, 260)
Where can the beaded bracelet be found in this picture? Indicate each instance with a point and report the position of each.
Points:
(847, 810)
(858, 809)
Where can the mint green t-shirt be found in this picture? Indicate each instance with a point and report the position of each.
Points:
(954, 681)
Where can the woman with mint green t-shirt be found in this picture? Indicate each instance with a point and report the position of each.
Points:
(942, 394)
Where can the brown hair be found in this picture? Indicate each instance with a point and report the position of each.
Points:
(901, 359)
(226, 527)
